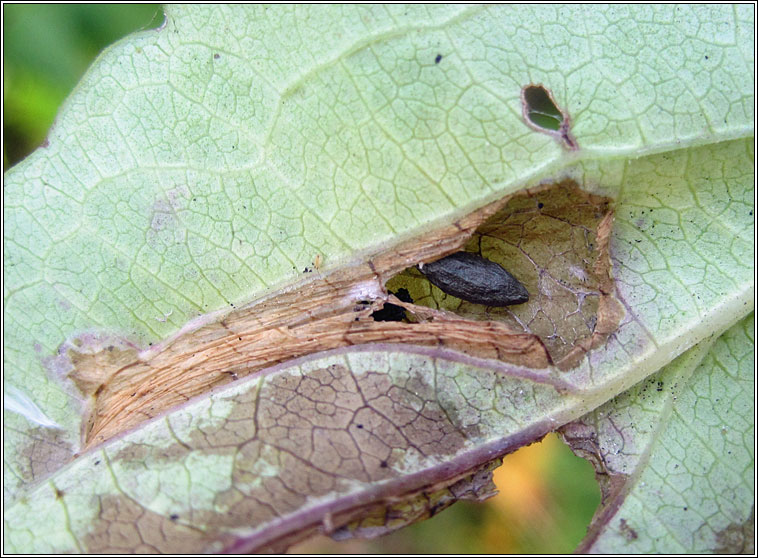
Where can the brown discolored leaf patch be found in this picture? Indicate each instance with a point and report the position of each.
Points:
(322, 448)
(43, 455)
(126, 527)
(554, 239)
(90, 364)
(737, 538)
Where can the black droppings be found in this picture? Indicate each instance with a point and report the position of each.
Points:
(437, 59)
(475, 279)
(540, 205)
(404, 295)
(393, 312)
(389, 313)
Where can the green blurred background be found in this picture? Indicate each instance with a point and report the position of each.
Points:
(547, 495)
(46, 50)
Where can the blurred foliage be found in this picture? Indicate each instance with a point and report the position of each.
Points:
(46, 50)
(547, 495)
(546, 500)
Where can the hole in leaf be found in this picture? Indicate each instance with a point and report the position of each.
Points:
(540, 108)
(542, 114)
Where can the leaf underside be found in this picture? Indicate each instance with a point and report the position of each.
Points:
(193, 259)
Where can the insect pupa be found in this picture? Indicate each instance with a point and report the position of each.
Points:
(473, 278)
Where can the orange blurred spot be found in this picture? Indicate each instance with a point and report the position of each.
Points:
(524, 503)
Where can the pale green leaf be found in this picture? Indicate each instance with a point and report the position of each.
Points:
(202, 166)
(677, 453)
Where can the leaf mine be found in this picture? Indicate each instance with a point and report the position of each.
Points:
(125, 387)
(572, 310)
(556, 240)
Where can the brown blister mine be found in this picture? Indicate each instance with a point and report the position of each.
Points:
(553, 239)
